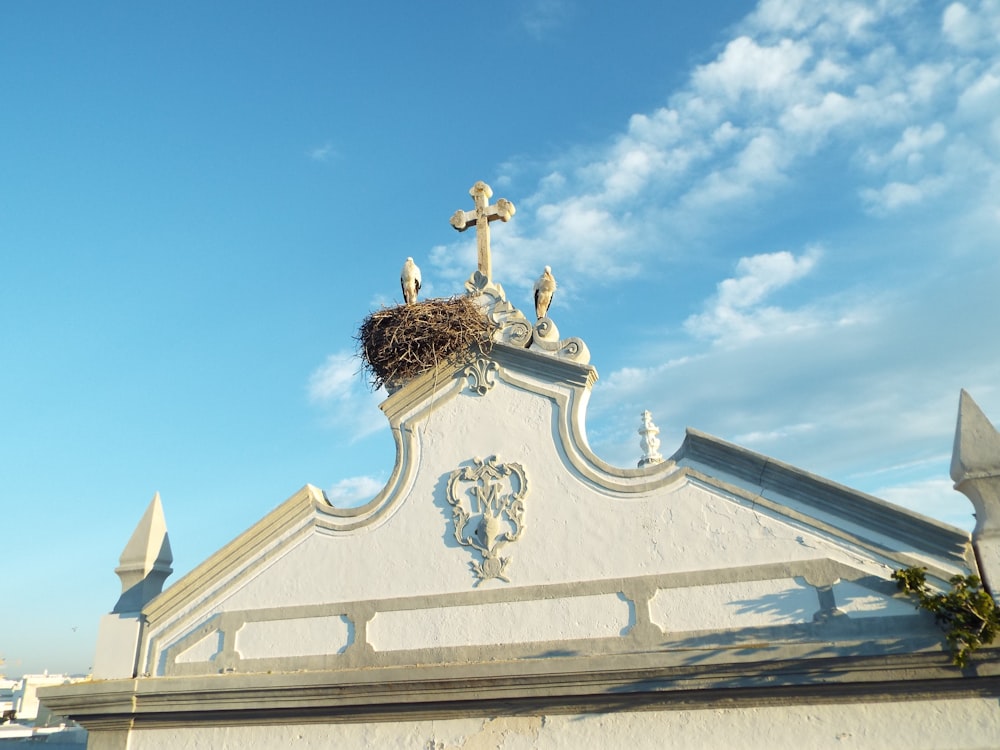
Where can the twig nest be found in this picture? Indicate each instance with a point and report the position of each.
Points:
(398, 343)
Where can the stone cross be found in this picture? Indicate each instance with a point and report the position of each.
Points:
(481, 217)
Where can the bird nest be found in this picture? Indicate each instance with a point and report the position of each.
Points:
(398, 343)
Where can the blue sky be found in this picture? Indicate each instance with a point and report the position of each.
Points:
(776, 224)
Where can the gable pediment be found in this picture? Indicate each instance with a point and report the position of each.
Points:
(499, 527)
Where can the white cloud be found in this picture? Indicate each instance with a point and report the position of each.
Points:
(857, 84)
(734, 315)
(631, 169)
(584, 228)
(747, 68)
(338, 389)
(972, 28)
(757, 438)
(959, 25)
(925, 81)
(915, 140)
(871, 405)
(983, 95)
(831, 111)
(894, 196)
(540, 17)
(662, 128)
(322, 153)
(785, 16)
(354, 491)
(759, 275)
(335, 379)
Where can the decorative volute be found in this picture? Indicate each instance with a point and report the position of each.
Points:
(145, 562)
(975, 468)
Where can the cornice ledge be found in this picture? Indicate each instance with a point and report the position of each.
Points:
(544, 366)
(602, 683)
(769, 475)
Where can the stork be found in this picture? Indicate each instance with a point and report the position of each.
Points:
(409, 279)
(545, 287)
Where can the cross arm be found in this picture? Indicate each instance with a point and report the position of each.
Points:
(503, 210)
(462, 220)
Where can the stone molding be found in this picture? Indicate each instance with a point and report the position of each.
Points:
(823, 629)
(571, 685)
(834, 505)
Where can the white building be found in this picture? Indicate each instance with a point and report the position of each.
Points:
(25, 703)
(508, 588)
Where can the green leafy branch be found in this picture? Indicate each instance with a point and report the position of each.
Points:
(967, 614)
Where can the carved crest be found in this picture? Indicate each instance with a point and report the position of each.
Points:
(482, 375)
(487, 502)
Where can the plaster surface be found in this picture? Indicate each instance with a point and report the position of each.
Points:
(564, 618)
(117, 646)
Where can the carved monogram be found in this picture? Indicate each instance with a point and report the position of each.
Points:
(487, 502)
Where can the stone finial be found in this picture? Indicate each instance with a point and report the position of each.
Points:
(975, 469)
(145, 563)
(480, 218)
(649, 442)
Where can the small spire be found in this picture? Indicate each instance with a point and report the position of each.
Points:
(649, 443)
(145, 562)
(977, 443)
(975, 467)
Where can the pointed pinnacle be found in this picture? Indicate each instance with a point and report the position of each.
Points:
(977, 443)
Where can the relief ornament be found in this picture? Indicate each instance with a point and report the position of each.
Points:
(487, 502)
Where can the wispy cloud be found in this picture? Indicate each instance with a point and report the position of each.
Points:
(334, 379)
(902, 106)
(763, 437)
(971, 28)
(736, 314)
(325, 152)
(354, 491)
(845, 401)
(338, 389)
(894, 196)
(541, 17)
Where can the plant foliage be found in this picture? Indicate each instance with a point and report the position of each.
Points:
(967, 614)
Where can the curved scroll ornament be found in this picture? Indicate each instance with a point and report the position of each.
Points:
(487, 501)
(513, 328)
(546, 339)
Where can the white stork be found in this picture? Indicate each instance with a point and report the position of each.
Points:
(409, 279)
(545, 287)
